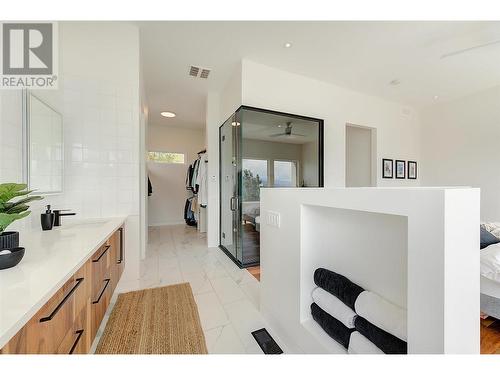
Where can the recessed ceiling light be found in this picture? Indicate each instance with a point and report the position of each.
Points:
(287, 45)
(168, 114)
(395, 82)
(436, 97)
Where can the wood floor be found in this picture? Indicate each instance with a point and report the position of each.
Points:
(490, 336)
(255, 271)
(250, 244)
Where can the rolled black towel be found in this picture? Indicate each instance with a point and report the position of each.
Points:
(335, 329)
(386, 342)
(340, 286)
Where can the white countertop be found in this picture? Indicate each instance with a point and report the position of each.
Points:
(51, 258)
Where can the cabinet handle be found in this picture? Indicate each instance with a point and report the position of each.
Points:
(78, 337)
(66, 297)
(121, 246)
(102, 291)
(100, 256)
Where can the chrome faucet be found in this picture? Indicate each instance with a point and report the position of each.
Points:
(58, 214)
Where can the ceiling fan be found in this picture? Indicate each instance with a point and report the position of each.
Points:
(288, 132)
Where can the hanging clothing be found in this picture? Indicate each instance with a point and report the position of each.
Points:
(189, 178)
(196, 181)
(150, 187)
(189, 213)
(196, 168)
(202, 181)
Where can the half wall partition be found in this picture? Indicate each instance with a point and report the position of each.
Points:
(262, 148)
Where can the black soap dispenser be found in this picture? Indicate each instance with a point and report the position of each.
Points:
(47, 219)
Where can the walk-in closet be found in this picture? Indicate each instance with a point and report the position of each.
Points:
(195, 209)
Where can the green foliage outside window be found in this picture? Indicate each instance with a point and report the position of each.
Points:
(166, 157)
(251, 186)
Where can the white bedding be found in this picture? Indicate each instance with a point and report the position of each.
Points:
(490, 262)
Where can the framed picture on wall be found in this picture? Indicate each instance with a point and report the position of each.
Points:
(412, 170)
(400, 169)
(387, 168)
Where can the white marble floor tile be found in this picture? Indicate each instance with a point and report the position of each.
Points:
(200, 283)
(242, 276)
(252, 291)
(190, 265)
(253, 348)
(227, 290)
(170, 276)
(224, 340)
(211, 312)
(227, 296)
(245, 319)
(215, 271)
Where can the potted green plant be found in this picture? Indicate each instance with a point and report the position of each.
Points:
(13, 206)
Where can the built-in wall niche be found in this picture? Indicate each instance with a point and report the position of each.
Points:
(370, 249)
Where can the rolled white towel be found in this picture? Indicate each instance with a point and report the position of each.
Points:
(359, 344)
(382, 313)
(333, 306)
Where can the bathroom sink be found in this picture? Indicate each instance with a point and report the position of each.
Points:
(84, 224)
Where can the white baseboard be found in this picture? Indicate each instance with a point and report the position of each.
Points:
(166, 223)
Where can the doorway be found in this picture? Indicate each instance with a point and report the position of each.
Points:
(360, 156)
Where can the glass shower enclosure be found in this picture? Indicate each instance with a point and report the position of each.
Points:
(262, 148)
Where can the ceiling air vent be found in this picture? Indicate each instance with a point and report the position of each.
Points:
(204, 73)
(194, 71)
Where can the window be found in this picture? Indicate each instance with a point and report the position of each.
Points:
(254, 173)
(166, 157)
(285, 173)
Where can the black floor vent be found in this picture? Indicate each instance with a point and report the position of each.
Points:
(266, 342)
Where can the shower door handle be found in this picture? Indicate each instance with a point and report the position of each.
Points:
(233, 203)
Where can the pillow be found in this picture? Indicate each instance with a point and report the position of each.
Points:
(487, 238)
(493, 228)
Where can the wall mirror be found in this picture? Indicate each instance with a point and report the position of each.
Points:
(43, 153)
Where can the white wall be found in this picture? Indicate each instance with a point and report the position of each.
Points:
(219, 106)
(398, 132)
(460, 146)
(358, 157)
(98, 97)
(310, 163)
(166, 205)
(432, 250)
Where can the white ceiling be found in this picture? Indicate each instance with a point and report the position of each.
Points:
(364, 56)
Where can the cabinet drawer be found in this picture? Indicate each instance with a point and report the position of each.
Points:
(99, 305)
(76, 340)
(100, 263)
(50, 325)
(117, 259)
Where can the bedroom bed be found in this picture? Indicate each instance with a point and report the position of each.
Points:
(490, 271)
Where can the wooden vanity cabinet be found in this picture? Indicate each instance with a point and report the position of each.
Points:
(117, 256)
(68, 322)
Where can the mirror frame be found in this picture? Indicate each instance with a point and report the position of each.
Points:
(27, 95)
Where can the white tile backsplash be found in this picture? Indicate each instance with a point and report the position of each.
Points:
(101, 131)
